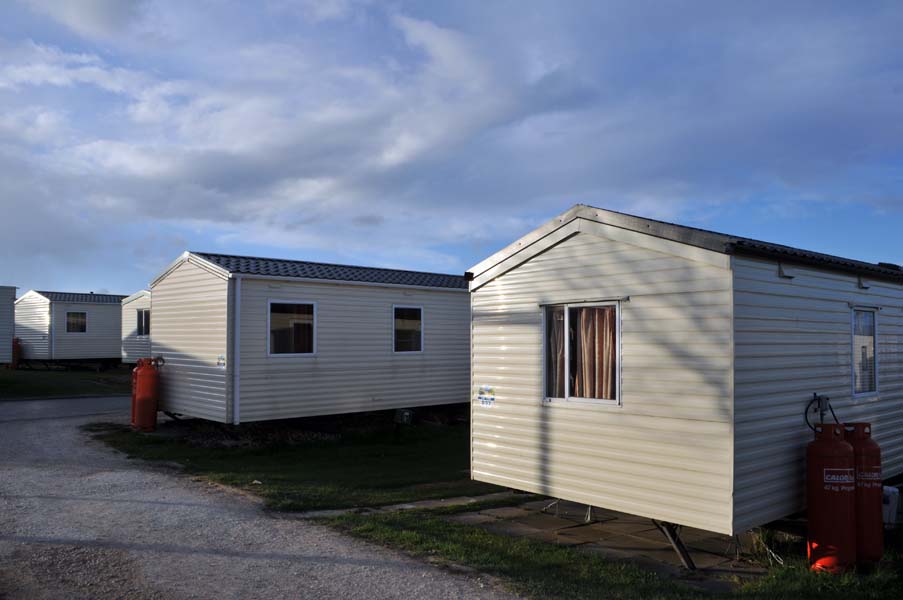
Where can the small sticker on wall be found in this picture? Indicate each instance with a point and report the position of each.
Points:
(486, 395)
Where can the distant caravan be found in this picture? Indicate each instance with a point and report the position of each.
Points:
(253, 339)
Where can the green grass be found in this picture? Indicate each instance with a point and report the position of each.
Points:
(795, 580)
(373, 469)
(37, 383)
(542, 570)
(529, 567)
(369, 469)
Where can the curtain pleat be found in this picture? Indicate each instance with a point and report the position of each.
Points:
(593, 345)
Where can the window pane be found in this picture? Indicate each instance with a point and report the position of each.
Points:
(408, 329)
(592, 333)
(864, 372)
(291, 328)
(555, 352)
(143, 321)
(76, 322)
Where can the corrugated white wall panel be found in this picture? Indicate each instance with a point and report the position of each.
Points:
(33, 326)
(666, 453)
(190, 307)
(101, 340)
(355, 368)
(793, 338)
(133, 345)
(7, 322)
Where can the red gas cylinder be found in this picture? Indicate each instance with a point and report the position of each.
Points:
(869, 492)
(146, 395)
(17, 353)
(831, 498)
(135, 386)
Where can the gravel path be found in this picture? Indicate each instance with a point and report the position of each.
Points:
(78, 520)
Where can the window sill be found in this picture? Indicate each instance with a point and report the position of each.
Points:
(581, 402)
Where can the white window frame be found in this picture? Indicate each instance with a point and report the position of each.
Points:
(74, 312)
(567, 355)
(422, 329)
(853, 392)
(137, 320)
(270, 303)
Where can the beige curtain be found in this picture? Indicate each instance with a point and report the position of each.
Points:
(593, 341)
(555, 342)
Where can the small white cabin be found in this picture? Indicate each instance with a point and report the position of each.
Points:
(664, 371)
(136, 319)
(7, 322)
(253, 339)
(69, 326)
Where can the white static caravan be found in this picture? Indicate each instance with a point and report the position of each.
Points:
(56, 326)
(7, 322)
(136, 319)
(690, 359)
(253, 339)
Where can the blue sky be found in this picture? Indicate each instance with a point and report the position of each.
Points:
(427, 135)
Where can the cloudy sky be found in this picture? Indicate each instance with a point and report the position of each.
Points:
(426, 135)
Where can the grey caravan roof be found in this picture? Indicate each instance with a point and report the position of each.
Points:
(702, 238)
(278, 267)
(82, 298)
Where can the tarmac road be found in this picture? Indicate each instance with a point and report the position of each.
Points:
(78, 520)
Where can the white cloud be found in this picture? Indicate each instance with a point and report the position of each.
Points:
(411, 136)
(91, 18)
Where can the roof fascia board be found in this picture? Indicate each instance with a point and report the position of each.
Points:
(32, 293)
(658, 244)
(136, 296)
(116, 304)
(428, 288)
(205, 264)
(536, 247)
(813, 263)
(527, 240)
(195, 260)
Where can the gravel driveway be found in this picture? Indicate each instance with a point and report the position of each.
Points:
(78, 520)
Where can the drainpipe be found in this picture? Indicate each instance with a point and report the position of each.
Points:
(236, 354)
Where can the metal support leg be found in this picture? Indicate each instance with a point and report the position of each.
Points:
(735, 545)
(672, 533)
(589, 515)
(554, 503)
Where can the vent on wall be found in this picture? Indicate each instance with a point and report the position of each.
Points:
(786, 272)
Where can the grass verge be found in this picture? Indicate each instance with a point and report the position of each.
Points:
(27, 383)
(542, 570)
(351, 470)
(529, 567)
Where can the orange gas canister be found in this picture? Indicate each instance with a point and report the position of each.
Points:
(135, 386)
(831, 498)
(869, 492)
(146, 395)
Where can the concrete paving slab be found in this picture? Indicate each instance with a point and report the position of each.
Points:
(593, 532)
(472, 518)
(507, 512)
(544, 521)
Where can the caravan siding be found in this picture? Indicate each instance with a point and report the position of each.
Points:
(793, 338)
(101, 340)
(7, 322)
(134, 346)
(189, 330)
(666, 452)
(354, 368)
(33, 326)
